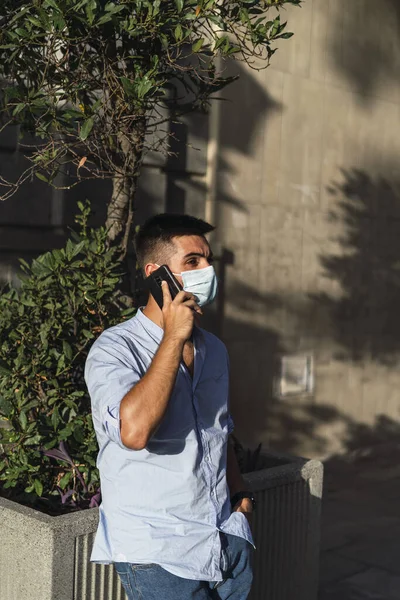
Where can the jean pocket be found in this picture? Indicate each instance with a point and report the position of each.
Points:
(125, 577)
(122, 568)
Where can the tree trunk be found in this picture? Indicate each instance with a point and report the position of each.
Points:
(118, 208)
(121, 206)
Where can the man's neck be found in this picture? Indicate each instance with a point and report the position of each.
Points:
(153, 312)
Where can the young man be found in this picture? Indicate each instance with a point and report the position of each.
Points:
(175, 515)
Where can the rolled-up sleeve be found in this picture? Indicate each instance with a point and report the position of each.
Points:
(110, 374)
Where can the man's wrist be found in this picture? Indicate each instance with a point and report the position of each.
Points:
(243, 499)
(171, 339)
(244, 505)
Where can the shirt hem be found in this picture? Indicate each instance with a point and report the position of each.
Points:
(191, 576)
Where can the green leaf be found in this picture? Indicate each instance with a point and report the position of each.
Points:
(65, 479)
(276, 26)
(51, 3)
(59, 21)
(74, 249)
(19, 108)
(244, 16)
(285, 36)
(22, 32)
(55, 418)
(144, 87)
(41, 177)
(67, 350)
(33, 441)
(87, 334)
(28, 301)
(44, 17)
(23, 420)
(38, 487)
(128, 86)
(179, 5)
(106, 18)
(198, 45)
(114, 8)
(233, 50)
(86, 128)
(178, 33)
(89, 11)
(60, 364)
(220, 41)
(35, 21)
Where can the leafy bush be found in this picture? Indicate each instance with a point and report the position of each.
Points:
(65, 299)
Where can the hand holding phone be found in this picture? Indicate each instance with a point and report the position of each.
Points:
(179, 307)
(179, 315)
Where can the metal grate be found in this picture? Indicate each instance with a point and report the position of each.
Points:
(93, 581)
(284, 566)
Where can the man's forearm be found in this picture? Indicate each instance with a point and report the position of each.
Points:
(144, 406)
(235, 481)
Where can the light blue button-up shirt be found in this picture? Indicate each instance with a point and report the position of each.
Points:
(167, 503)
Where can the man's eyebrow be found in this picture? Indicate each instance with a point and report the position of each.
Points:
(199, 254)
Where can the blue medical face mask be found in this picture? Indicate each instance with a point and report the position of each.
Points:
(202, 283)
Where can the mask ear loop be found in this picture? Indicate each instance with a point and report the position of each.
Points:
(176, 274)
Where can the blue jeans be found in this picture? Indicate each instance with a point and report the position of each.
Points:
(152, 582)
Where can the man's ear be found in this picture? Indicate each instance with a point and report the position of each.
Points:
(150, 268)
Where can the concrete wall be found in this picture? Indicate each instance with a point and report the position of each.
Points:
(309, 205)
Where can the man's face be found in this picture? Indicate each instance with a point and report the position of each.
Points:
(190, 252)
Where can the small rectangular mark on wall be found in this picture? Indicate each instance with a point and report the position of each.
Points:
(296, 375)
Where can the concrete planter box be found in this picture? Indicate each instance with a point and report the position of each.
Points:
(47, 558)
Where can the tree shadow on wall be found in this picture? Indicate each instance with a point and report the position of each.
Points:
(189, 137)
(358, 443)
(365, 44)
(366, 317)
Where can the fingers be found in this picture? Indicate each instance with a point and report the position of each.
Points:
(193, 305)
(188, 300)
(166, 294)
(183, 297)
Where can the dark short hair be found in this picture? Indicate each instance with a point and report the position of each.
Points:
(154, 237)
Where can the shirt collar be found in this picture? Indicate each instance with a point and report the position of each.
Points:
(152, 328)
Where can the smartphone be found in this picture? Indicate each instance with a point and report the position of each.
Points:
(155, 280)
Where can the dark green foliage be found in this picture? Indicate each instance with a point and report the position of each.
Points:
(65, 300)
(89, 77)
